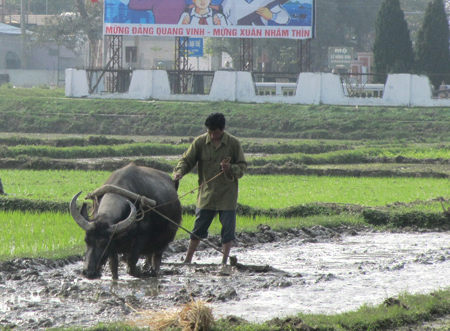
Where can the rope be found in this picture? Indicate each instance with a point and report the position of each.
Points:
(107, 245)
(195, 189)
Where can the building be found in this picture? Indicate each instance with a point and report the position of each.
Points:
(30, 65)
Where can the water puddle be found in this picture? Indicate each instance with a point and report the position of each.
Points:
(331, 275)
(341, 276)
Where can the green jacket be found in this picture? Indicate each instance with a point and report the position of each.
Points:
(222, 192)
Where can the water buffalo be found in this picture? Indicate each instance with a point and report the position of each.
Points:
(116, 226)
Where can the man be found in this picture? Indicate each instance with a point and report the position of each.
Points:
(214, 152)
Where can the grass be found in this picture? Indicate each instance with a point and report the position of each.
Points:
(53, 185)
(51, 235)
(299, 152)
(56, 235)
(408, 310)
(40, 110)
(259, 191)
(284, 191)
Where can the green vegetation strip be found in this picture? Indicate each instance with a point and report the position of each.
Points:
(330, 151)
(262, 191)
(47, 111)
(56, 235)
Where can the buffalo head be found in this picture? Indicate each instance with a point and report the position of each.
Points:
(99, 238)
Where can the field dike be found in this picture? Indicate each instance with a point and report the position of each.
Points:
(112, 164)
(316, 270)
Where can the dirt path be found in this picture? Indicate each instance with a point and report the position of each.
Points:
(313, 270)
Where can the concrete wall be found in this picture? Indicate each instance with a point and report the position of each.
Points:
(312, 88)
(31, 78)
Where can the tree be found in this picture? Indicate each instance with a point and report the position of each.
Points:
(41, 7)
(72, 29)
(432, 47)
(392, 49)
(217, 46)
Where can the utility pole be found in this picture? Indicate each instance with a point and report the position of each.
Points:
(23, 30)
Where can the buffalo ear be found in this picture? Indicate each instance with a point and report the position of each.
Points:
(84, 211)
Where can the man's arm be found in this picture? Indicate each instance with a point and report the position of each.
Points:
(239, 167)
(186, 163)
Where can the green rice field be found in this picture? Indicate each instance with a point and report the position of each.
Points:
(262, 191)
(56, 234)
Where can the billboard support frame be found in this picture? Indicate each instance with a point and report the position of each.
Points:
(119, 78)
(246, 54)
(304, 55)
(181, 64)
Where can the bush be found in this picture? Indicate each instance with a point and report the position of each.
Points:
(376, 217)
(410, 219)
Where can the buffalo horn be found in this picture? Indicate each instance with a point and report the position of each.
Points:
(123, 225)
(81, 221)
(123, 192)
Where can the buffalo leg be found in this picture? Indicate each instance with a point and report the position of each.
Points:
(156, 261)
(114, 266)
(133, 269)
(152, 264)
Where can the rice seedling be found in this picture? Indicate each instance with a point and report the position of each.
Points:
(53, 185)
(284, 191)
(262, 191)
(45, 234)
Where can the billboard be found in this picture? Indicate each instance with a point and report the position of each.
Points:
(292, 19)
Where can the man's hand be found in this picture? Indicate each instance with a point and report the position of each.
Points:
(226, 166)
(177, 176)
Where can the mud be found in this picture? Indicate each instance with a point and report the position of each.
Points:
(315, 270)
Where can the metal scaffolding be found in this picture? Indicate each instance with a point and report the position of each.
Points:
(304, 55)
(246, 54)
(117, 80)
(181, 83)
(114, 79)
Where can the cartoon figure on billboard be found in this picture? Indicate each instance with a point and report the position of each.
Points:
(255, 12)
(164, 11)
(203, 13)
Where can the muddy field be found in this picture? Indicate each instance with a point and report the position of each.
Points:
(314, 270)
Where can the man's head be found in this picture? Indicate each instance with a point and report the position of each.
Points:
(215, 124)
(215, 121)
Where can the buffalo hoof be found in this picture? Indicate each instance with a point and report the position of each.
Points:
(149, 271)
(91, 275)
(135, 271)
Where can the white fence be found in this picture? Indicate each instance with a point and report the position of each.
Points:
(268, 88)
(311, 88)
